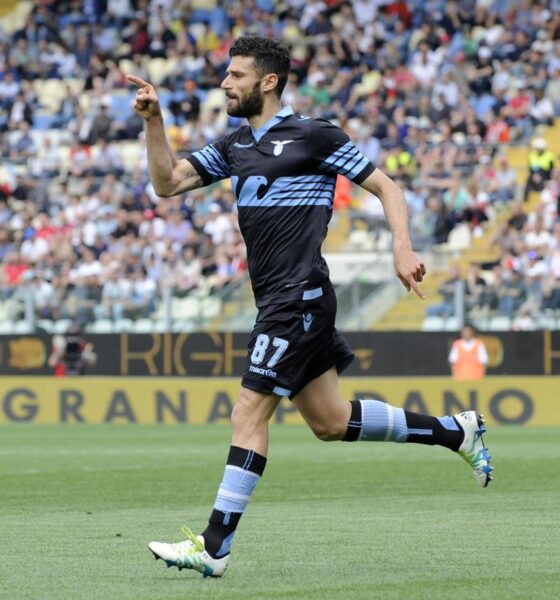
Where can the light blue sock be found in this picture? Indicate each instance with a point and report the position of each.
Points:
(382, 422)
(236, 489)
(243, 471)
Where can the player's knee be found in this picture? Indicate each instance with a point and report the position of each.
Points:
(329, 432)
(246, 416)
(240, 417)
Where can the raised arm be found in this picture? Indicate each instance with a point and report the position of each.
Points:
(169, 176)
(409, 268)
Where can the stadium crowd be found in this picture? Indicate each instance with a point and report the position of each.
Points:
(429, 90)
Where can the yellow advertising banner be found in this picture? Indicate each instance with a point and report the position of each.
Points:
(503, 400)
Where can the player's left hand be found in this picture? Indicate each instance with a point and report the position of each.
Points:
(410, 270)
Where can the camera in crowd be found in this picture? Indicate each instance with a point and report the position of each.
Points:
(71, 353)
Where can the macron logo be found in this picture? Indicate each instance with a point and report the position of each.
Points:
(238, 145)
(307, 320)
(279, 146)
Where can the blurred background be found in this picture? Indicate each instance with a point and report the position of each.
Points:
(457, 101)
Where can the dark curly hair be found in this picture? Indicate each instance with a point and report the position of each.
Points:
(269, 55)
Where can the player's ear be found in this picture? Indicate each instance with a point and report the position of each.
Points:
(269, 82)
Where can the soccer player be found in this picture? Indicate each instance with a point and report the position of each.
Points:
(283, 168)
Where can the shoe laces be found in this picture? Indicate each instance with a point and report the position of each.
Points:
(197, 545)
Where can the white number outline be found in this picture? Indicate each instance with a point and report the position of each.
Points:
(282, 346)
(261, 346)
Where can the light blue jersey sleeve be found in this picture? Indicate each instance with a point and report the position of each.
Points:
(211, 162)
(336, 154)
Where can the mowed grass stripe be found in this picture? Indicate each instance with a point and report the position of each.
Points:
(80, 503)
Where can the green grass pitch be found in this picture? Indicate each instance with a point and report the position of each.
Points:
(80, 503)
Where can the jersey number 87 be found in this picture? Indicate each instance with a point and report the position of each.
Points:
(261, 346)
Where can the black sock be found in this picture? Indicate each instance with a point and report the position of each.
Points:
(223, 523)
(355, 423)
(443, 431)
(220, 526)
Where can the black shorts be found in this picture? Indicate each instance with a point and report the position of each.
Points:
(294, 342)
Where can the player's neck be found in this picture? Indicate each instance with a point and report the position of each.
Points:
(270, 108)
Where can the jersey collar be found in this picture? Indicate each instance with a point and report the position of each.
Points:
(277, 118)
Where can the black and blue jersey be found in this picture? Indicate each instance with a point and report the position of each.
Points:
(283, 176)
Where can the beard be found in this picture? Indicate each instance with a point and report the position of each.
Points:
(250, 106)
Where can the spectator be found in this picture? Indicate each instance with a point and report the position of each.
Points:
(511, 294)
(541, 162)
(447, 291)
(142, 299)
(9, 89)
(542, 111)
(185, 105)
(67, 110)
(189, 274)
(83, 297)
(518, 217)
(22, 147)
(505, 186)
(218, 225)
(107, 159)
(114, 294)
(101, 126)
(475, 285)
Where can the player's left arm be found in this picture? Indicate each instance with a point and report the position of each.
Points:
(334, 152)
(409, 268)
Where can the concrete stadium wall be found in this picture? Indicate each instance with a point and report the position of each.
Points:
(147, 400)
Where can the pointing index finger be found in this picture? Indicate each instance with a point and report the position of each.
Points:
(137, 81)
(416, 288)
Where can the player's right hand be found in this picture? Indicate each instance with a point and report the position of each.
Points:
(146, 103)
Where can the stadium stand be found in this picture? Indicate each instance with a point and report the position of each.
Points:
(455, 100)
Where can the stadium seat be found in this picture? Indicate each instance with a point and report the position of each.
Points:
(101, 326)
(547, 322)
(499, 323)
(46, 325)
(360, 240)
(383, 240)
(76, 84)
(131, 153)
(210, 307)
(62, 325)
(197, 30)
(3, 311)
(183, 326)
(64, 155)
(185, 308)
(158, 68)
(481, 323)
(451, 324)
(433, 324)
(50, 93)
(6, 327)
(143, 326)
(18, 17)
(459, 237)
(160, 326)
(215, 99)
(127, 66)
(123, 325)
(22, 328)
